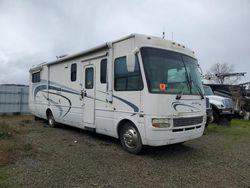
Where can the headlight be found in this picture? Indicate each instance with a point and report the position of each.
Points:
(161, 122)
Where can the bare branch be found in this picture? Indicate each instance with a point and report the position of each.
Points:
(220, 69)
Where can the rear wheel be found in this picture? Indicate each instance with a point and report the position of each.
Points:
(51, 120)
(130, 138)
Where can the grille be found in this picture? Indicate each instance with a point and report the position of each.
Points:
(180, 122)
(207, 103)
(228, 103)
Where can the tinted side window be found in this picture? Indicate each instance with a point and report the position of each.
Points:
(73, 72)
(103, 71)
(124, 80)
(36, 77)
(89, 78)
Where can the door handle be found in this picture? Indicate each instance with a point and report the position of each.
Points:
(83, 94)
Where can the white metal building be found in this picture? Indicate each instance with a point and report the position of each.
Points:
(14, 98)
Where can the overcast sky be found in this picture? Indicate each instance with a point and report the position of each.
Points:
(33, 31)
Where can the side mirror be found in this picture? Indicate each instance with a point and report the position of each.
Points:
(131, 62)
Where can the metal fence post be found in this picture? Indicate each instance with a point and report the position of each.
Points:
(21, 99)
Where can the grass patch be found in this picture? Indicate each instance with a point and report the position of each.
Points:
(24, 122)
(13, 146)
(25, 147)
(13, 143)
(5, 178)
(7, 152)
(237, 128)
(5, 130)
(4, 135)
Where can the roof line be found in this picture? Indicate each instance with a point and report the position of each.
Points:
(88, 51)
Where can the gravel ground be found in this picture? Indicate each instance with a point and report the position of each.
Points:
(70, 157)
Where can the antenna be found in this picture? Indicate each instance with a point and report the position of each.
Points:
(163, 33)
(172, 36)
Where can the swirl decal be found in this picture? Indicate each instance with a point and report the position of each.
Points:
(192, 108)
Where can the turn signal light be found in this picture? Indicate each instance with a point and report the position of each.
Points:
(161, 123)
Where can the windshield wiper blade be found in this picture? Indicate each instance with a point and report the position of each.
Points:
(189, 81)
(198, 89)
(179, 95)
(196, 86)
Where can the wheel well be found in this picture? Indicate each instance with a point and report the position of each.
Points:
(214, 108)
(122, 123)
(48, 111)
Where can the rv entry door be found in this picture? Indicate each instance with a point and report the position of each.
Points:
(89, 95)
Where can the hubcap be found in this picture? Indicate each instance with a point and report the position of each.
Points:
(51, 120)
(130, 138)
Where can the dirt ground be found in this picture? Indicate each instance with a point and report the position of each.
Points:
(33, 155)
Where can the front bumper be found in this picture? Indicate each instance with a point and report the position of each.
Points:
(180, 131)
(226, 111)
(160, 138)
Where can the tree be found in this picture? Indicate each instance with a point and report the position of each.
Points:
(220, 73)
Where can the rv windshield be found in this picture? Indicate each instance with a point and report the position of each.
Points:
(171, 72)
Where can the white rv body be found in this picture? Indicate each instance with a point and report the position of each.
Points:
(102, 108)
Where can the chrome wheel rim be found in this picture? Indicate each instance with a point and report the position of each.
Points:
(50, 120)
(130, 138)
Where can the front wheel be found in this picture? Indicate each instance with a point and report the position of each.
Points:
(130, 138)
(51, 120)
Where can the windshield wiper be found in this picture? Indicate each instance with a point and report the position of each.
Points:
(197, 87)
(188, 77)
(179, 95)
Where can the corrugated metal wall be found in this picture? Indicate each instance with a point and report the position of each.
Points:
(14, 98)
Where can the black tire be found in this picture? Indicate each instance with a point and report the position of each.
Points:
(216, 116)
(206, 124)
(51, 120)
(210, 119)
(229, 118)
(130, 138)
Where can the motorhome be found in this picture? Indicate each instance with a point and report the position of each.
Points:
(143, 90)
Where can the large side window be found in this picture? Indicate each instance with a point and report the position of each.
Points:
(125, 80)
(36, 77)
(89, 78)
(73, 72)
(103, 71)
